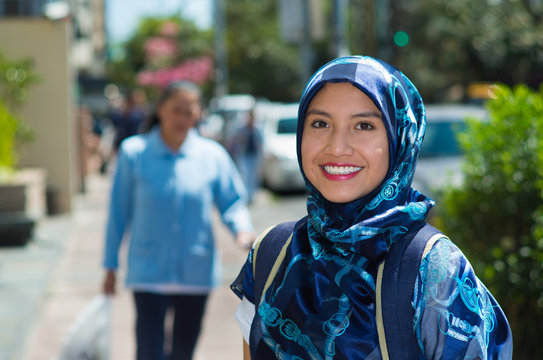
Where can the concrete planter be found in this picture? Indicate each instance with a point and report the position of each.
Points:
(16, 229)
(22, 204)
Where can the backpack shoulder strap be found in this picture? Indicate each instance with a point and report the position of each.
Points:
(268, 254)
(394, 291)
(268, 250)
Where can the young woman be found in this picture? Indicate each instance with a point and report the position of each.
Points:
(165, 186)
(360, 127)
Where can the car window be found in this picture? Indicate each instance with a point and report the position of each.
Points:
(441, 139)
(287, 126)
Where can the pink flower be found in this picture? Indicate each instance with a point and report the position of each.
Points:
(197, 70)
(158, 46)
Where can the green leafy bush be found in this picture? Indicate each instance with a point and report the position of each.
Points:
(15, 79)
(8, 129)
(497, 216)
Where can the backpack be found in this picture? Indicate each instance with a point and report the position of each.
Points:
(394, 283)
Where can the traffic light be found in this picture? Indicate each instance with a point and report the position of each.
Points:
(401, 38)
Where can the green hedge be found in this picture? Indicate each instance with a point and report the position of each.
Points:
(497, 216)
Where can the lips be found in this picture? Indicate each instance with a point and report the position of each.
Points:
(340, 172)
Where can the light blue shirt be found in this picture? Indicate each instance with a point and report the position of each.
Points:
(163, 202)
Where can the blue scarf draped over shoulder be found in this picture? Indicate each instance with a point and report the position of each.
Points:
(321, 303)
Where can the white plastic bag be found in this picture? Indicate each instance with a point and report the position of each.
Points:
(89, 336)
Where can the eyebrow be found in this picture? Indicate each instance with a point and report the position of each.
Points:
(364, 114)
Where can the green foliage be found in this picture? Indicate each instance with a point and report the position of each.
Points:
(451, 44)
(8, 130)
(497, 216)
(15, 79)
(457, 42)
(259, 62)
(190, 42)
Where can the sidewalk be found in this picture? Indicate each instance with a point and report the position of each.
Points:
(24, 276)
(45, 286)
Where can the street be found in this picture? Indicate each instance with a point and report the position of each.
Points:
(77, 276)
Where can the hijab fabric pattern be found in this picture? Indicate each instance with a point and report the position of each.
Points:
(326, 283)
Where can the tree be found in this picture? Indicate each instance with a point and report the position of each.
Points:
(259, 62)
(164, 49)
(497, 216)
(454, 43)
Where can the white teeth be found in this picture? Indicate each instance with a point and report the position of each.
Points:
(341, 170)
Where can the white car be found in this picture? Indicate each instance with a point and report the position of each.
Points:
(440, 159)
(280, 170)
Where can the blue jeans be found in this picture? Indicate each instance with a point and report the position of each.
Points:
(188, 311)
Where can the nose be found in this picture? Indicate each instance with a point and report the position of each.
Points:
(339, 143)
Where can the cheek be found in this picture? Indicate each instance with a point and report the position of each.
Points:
(166, 117)
(307, 151)
(197, 114)
(381, 157)
(167, 120)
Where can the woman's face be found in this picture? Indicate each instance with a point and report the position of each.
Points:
(177, 114)
(344, 144)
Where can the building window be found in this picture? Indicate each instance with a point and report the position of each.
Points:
(21, 7)
(11, 7)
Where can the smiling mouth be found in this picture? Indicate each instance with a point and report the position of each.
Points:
(341, 170)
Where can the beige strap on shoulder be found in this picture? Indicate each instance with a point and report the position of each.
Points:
(276, 266)
(256, 244)
(378, 297)
(277, 262)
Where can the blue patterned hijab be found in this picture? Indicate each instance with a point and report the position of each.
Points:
(391, 208)
(325, 288)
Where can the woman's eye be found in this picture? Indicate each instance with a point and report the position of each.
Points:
(365, 126)
(319, 124)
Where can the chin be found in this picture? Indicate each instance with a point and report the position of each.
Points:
(340, 199)
(343, 197)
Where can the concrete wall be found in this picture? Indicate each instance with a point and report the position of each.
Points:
(50, 110)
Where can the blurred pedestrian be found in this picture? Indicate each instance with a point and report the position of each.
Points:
(246, 149)
(166, 183)
(363, 276)
(128, 120)
(126, 116)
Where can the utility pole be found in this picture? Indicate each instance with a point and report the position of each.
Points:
(300, 24)
(382, 28)
(305, 43)
(370, 37)
(221, 50)
(340, 22)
